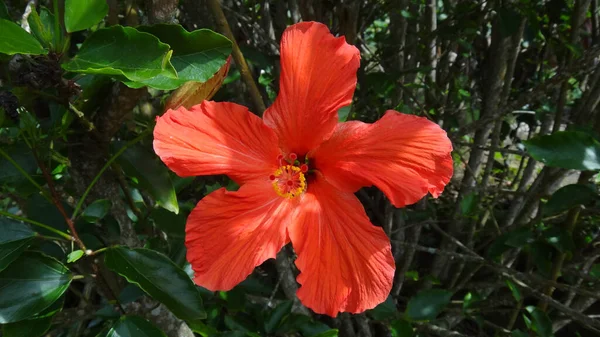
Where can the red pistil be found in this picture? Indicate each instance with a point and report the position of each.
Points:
(304, 168)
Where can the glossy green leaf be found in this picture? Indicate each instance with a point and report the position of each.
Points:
(427, 304)
(276, 316)
(160, 278)
(14, 239)
(80, 15)
(568, 197)
(540, 322)
(15, 40)
(28, 328)
(197, 55)
(384, 310)
(152, 175)
(401, 328)
(96, 210)
(74, 256)
(519, 333)
(566, 149)
(123, 52)
(134, 326)
(31, 284)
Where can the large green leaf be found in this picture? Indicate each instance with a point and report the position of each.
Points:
(15, 40)
(30, 328)
(80, 15)
(123, 52)
(160, 278)
(133, 326)
(427, 304)
(11, 177)
(14, 239)
(31, 284)
(568, 197)
(566, 149)
(152, 175)
(197, 55)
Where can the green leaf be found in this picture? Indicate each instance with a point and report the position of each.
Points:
(160, 278)
(74, 256)
(568, 197)
(197, 55)
(519, 333)
(4, 11)
(169, 222)
(81, 15)
(15, 238)
(566, 149)
(514, 290)
(123, 52)
(468, 205)
(152, 175)
(328, 333)
(133, 326)
(277, 315)
(96, 210)
(28, 328)
(427, 304)
(15, 40)
(42, 27)
(343, 113)
(384, 310)
(560, 238)
(31, 284)
(541, 323)
(401, 328)
(595, 271)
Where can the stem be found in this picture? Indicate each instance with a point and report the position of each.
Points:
(56, 25)
(57, 202)
(104, 168)
(39, 224)
(25, 174)
(240, 61)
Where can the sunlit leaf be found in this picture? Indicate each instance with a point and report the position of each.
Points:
(123, 51)
(575, 150)
(15, 40)
(80, 15)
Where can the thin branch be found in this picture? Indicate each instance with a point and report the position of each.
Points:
(240, 61)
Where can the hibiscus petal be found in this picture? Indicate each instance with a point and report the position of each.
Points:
(228, 234)
(345, 262)
(403, 155)
(216, 138)
(318, 76)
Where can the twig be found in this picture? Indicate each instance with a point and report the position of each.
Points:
(240, 61)
(56, 200)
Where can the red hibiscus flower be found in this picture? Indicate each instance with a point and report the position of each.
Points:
(298, 169)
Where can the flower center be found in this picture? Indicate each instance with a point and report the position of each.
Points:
(289, 180)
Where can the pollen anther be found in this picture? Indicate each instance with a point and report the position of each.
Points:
(288, 181)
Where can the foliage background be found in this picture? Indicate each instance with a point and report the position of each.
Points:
(91, 222)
